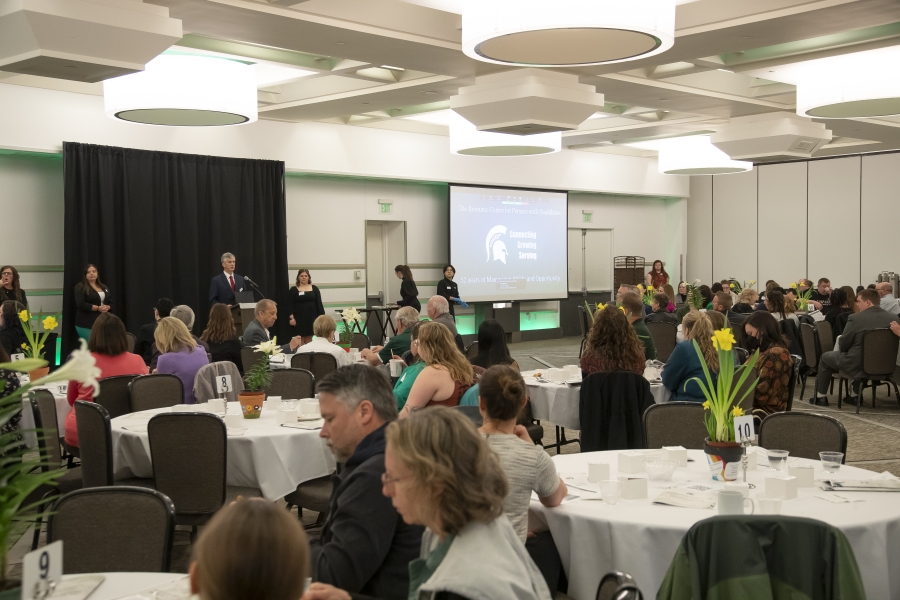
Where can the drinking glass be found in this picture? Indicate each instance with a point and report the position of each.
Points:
(611, 491)
(831, 461)
(778, 459)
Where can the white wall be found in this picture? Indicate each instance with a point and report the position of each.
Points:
(833, 218)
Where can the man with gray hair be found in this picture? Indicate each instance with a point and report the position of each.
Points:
(365, 547)
(888, 302)
(439, 312)
(407, 317)
(225, 285)
(626, 288)
(185, 314)
(257, 331)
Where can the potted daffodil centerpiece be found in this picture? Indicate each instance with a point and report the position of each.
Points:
(257, 378)
(34, 347)
(722, 405)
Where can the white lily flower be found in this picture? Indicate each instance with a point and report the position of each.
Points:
(271, 347)
(81, 367)
(698, 282)
(351, 314)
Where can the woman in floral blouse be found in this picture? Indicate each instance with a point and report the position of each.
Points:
(762, 332)
(9, 382)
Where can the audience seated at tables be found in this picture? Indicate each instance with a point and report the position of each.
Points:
(250, 549)
(411, 372)
(722, 305)
(626, 289)
(365, 546)
(612, 345)
(446, 376)
(144, 342)
(501, 397)
(851, 297)
(821, 296)
(221, 338)
(681, 296)
(12, 334)
(660, 311)
(839, 306)
(109, 347)
(776, 306)
(438, 309)
(181, 354)
(324, 328)
(684, 364)
(670, 295)
(257, 331)
(707, 294)
(747, 300)
(634, 309)
(492, 348)
(848, 359)
(184, 314)
(774, 365)
(888, 301)
(803, 285)
(397, 345)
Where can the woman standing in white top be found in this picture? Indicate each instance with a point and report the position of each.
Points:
(92, 298)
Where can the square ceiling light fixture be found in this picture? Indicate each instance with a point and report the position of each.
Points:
(695, 155)
(467, 140)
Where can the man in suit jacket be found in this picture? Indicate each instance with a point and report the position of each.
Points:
(849, 359)
(257, 331)
(223, 286)
(722, 303)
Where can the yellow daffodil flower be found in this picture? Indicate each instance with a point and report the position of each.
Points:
(622, 308)
(731, 285)
(649, 288)
(50, 324)
(640, 287)
(752, 281)
(723, 339)
(794, 285)
(24, 346)
(600, 306)
(23, 316)
(738, 411)
(706, 405)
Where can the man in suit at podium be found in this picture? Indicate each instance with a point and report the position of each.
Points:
(225, 285)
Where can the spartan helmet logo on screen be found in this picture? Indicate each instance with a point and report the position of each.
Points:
(495, 247)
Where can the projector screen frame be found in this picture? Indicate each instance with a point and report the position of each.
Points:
(450, 187)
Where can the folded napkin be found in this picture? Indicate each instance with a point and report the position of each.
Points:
(881, 482)
(77, 588)
(308, 425)
(685, 498)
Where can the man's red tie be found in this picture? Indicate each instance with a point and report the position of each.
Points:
(231, 281)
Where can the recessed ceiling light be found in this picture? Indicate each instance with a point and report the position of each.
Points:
(390, 68)
(695, 155)
(365, 103)
(430, 93)
(340, 43)
(465, 139)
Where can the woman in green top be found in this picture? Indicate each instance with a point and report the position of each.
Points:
(405, 383)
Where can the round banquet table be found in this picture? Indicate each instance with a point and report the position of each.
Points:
(266, 456)
(640, 538)
(121, 585)
(558, 402)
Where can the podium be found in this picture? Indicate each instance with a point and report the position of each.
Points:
(243, 314)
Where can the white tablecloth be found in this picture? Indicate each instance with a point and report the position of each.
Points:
(270, 457)
(640, 538)
(62, 409)
(119, 585)
(558, 402)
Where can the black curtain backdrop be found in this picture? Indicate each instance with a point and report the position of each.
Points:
(157, 223)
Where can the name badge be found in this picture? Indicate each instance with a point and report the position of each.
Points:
(300, 293)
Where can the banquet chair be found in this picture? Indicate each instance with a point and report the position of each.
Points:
(879, 358)
(532, 425)
(319, 364)
(840, 323)
(792, 382)
(113, 395)
(803, 434)
(205, 381)
(131, 340)
(664, 338)
(292, 383)
(472, 350)
(120, 529)
(189, 452)
(249, 358)
(159, 390)
(314, 495)
(826, 335)
(610, 408)
(95, 442)
(618, 586)
(675, 423)
(360, 341)
(741, 354)
(746, 402)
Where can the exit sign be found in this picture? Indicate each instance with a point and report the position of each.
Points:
(588, 217)
(385, 207)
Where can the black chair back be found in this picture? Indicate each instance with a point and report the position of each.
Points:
(131, 341)
(249, 358)
(811, 349)
(360, 341)
(746, 402)
(675, 424)
(792, 383)
(665, 337)
(159, 390)
(879, 353)
(94, 443)
(113, 395)
(840, 323)
(45, 418)
(114, 529)
(742, 355)
(610, 409)
(803, 434)
(618, 586)
(472, 350)
(319, 364)
(292, 383)
(826, 336)
(189, 453)
(790, 329)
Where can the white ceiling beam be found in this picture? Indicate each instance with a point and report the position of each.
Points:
(666, 85)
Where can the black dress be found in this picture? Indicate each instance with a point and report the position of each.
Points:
(6, 294)
(305, 307)
(227, 351)
(85, 301)
(447, 288)
(409, 295)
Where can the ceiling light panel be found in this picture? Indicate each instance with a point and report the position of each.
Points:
(465, 139)
(695, 155)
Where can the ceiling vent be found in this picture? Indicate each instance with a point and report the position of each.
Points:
(526, 102)
(83, 40)
(773, 136)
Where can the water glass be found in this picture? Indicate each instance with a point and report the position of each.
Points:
(611, 491)
(831, 461)
(778, 459)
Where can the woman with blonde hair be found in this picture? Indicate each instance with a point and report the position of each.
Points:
(612, 345)
(684, 364)
(181, 355)
(747, 300)
(250, 549)
(447, 373)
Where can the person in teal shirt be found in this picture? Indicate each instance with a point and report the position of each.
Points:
(408, 377)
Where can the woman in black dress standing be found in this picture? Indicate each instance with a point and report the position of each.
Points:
(409, 293)
(306, 305)
(92, 298)
(446, 287)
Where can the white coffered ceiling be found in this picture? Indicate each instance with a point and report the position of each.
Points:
(394, 64)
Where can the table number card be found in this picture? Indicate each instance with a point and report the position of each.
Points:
(223, 384)
(42, 571)
(743, 429)
(17, 357)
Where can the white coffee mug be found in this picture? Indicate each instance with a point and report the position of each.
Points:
(396, 367)
(736, 486)
(731, 502)
(286, 416)
(273, 402)
(354, 355)
(234, 420)
(598, 471)
(216, 406)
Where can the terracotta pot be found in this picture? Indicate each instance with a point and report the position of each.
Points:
(251, 403)
(38, 373)
(724, 459)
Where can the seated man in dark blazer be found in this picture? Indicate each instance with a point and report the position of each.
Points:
(722, 303)
(659, 313)
(145, 337)
(223, 286)
(257, 331)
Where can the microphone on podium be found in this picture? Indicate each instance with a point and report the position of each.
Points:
(256, 287)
